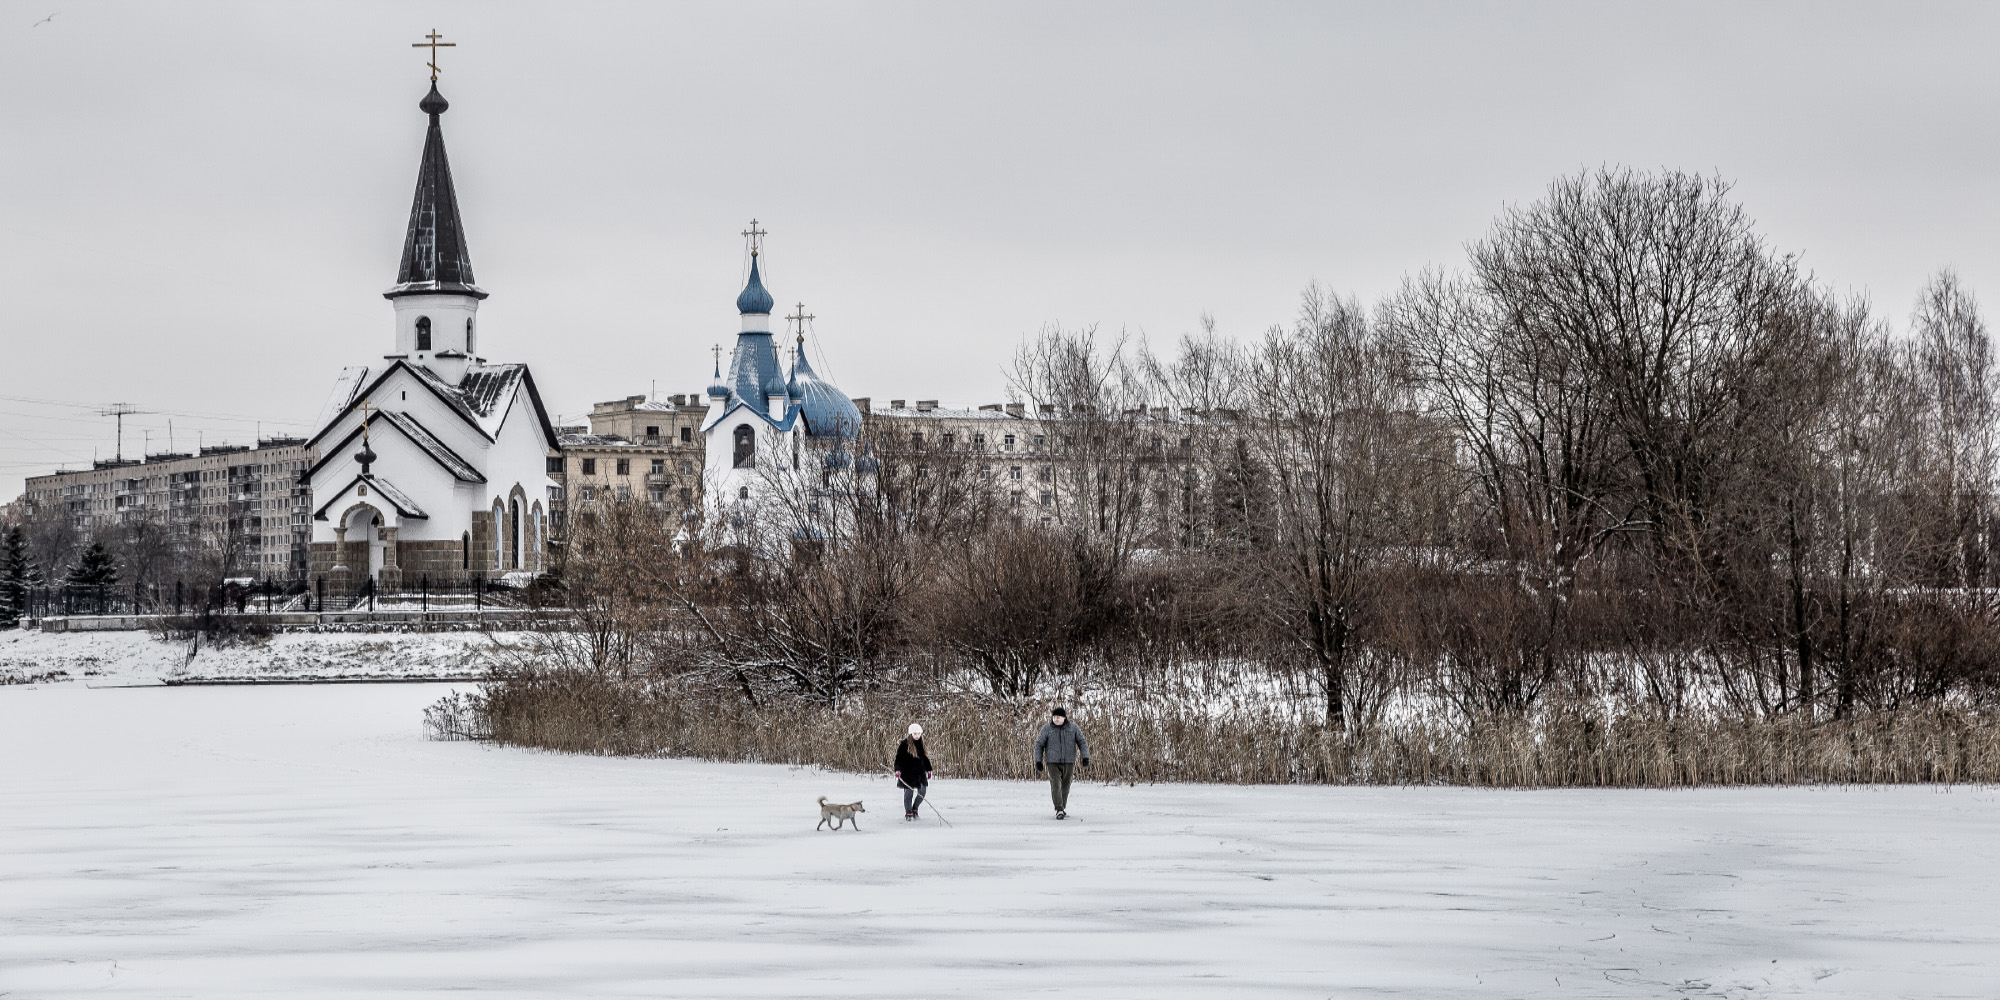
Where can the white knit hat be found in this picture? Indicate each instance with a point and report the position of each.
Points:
(916, 730)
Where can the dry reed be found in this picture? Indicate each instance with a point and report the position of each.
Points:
(581, 712)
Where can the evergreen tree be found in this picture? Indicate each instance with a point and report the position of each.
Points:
(18, 577)
(94, 574)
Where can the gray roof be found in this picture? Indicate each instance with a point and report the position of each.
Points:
(435, 258)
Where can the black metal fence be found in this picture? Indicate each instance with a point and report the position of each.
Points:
(273, 595)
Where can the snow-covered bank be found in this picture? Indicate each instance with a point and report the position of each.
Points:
(305, 841)
(115, 658)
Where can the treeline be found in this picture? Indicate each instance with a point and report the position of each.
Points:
(1629, 465)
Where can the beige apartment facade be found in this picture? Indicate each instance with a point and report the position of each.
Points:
(244, 506)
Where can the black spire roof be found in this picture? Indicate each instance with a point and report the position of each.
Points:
(435, 260)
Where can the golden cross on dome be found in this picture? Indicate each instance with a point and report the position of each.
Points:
(434, 45)
(801, 318)
(367, 411)
(718, 356)
(756, 236)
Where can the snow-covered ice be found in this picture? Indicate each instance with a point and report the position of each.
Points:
(306, 841)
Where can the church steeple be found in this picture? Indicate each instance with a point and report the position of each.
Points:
(435, 259)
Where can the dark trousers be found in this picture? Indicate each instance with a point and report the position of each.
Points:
(1059, 776)
(913, 795)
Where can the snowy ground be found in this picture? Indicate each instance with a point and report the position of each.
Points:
(110, 659)
(305, 841)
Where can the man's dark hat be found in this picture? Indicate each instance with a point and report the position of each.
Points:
(1059, 711)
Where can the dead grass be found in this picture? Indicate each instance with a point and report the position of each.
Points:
(581, 712)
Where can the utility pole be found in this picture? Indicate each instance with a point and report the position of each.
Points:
(121, 411)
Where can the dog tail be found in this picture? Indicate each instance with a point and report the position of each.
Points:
(822, 800)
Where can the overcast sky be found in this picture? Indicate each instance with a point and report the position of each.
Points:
(200, 204)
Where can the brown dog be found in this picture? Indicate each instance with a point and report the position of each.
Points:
(838, 813)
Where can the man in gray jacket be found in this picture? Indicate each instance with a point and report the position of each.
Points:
(1061, 746)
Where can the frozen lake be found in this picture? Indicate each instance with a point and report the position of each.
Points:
(306, 841)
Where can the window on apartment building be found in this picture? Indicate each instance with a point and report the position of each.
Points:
(985, 472)
(659, 466)
(590, 466)
(556, 465)
(659, 494)
(1040, 440)
(1048, 498)
(687, 435)
(1014, 498)
(687, 495)
(917, 438)
(687, 468)
(589, 492)
(1045, 474)
(652, 431)
(947, 439)
(624, 466)
(979, 440)
(624, 492)
(1014, 473)
(423, 333)
(1007, 442)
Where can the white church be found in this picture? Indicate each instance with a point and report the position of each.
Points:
(434, 462)
(759, 416)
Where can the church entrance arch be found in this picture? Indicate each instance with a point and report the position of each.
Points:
(364, 524)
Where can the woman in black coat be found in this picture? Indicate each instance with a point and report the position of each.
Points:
(913, 770)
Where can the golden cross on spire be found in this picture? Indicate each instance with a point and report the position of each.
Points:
(718, 356)
(434, 45)
(756, 236)
(801, 318)
(367, 411)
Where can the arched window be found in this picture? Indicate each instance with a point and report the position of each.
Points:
(423, 333)
(469, 348)
(746, 447)
(743, 494)
(465, 551)
(499, 530)
(514, 534)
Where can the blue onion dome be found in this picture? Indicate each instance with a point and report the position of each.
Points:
(754, 300)
(827, 411)
(716, 388)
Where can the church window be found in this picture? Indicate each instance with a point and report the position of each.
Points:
(514, 534)
(659, 466)
(468, 335)
(465, 551)
(423, 333)
(624, 466)
(687, 435)
(590, 466)
(746, 447)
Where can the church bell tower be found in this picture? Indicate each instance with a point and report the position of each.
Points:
(437, 304)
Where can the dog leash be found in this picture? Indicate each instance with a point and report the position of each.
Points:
(927, 800)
